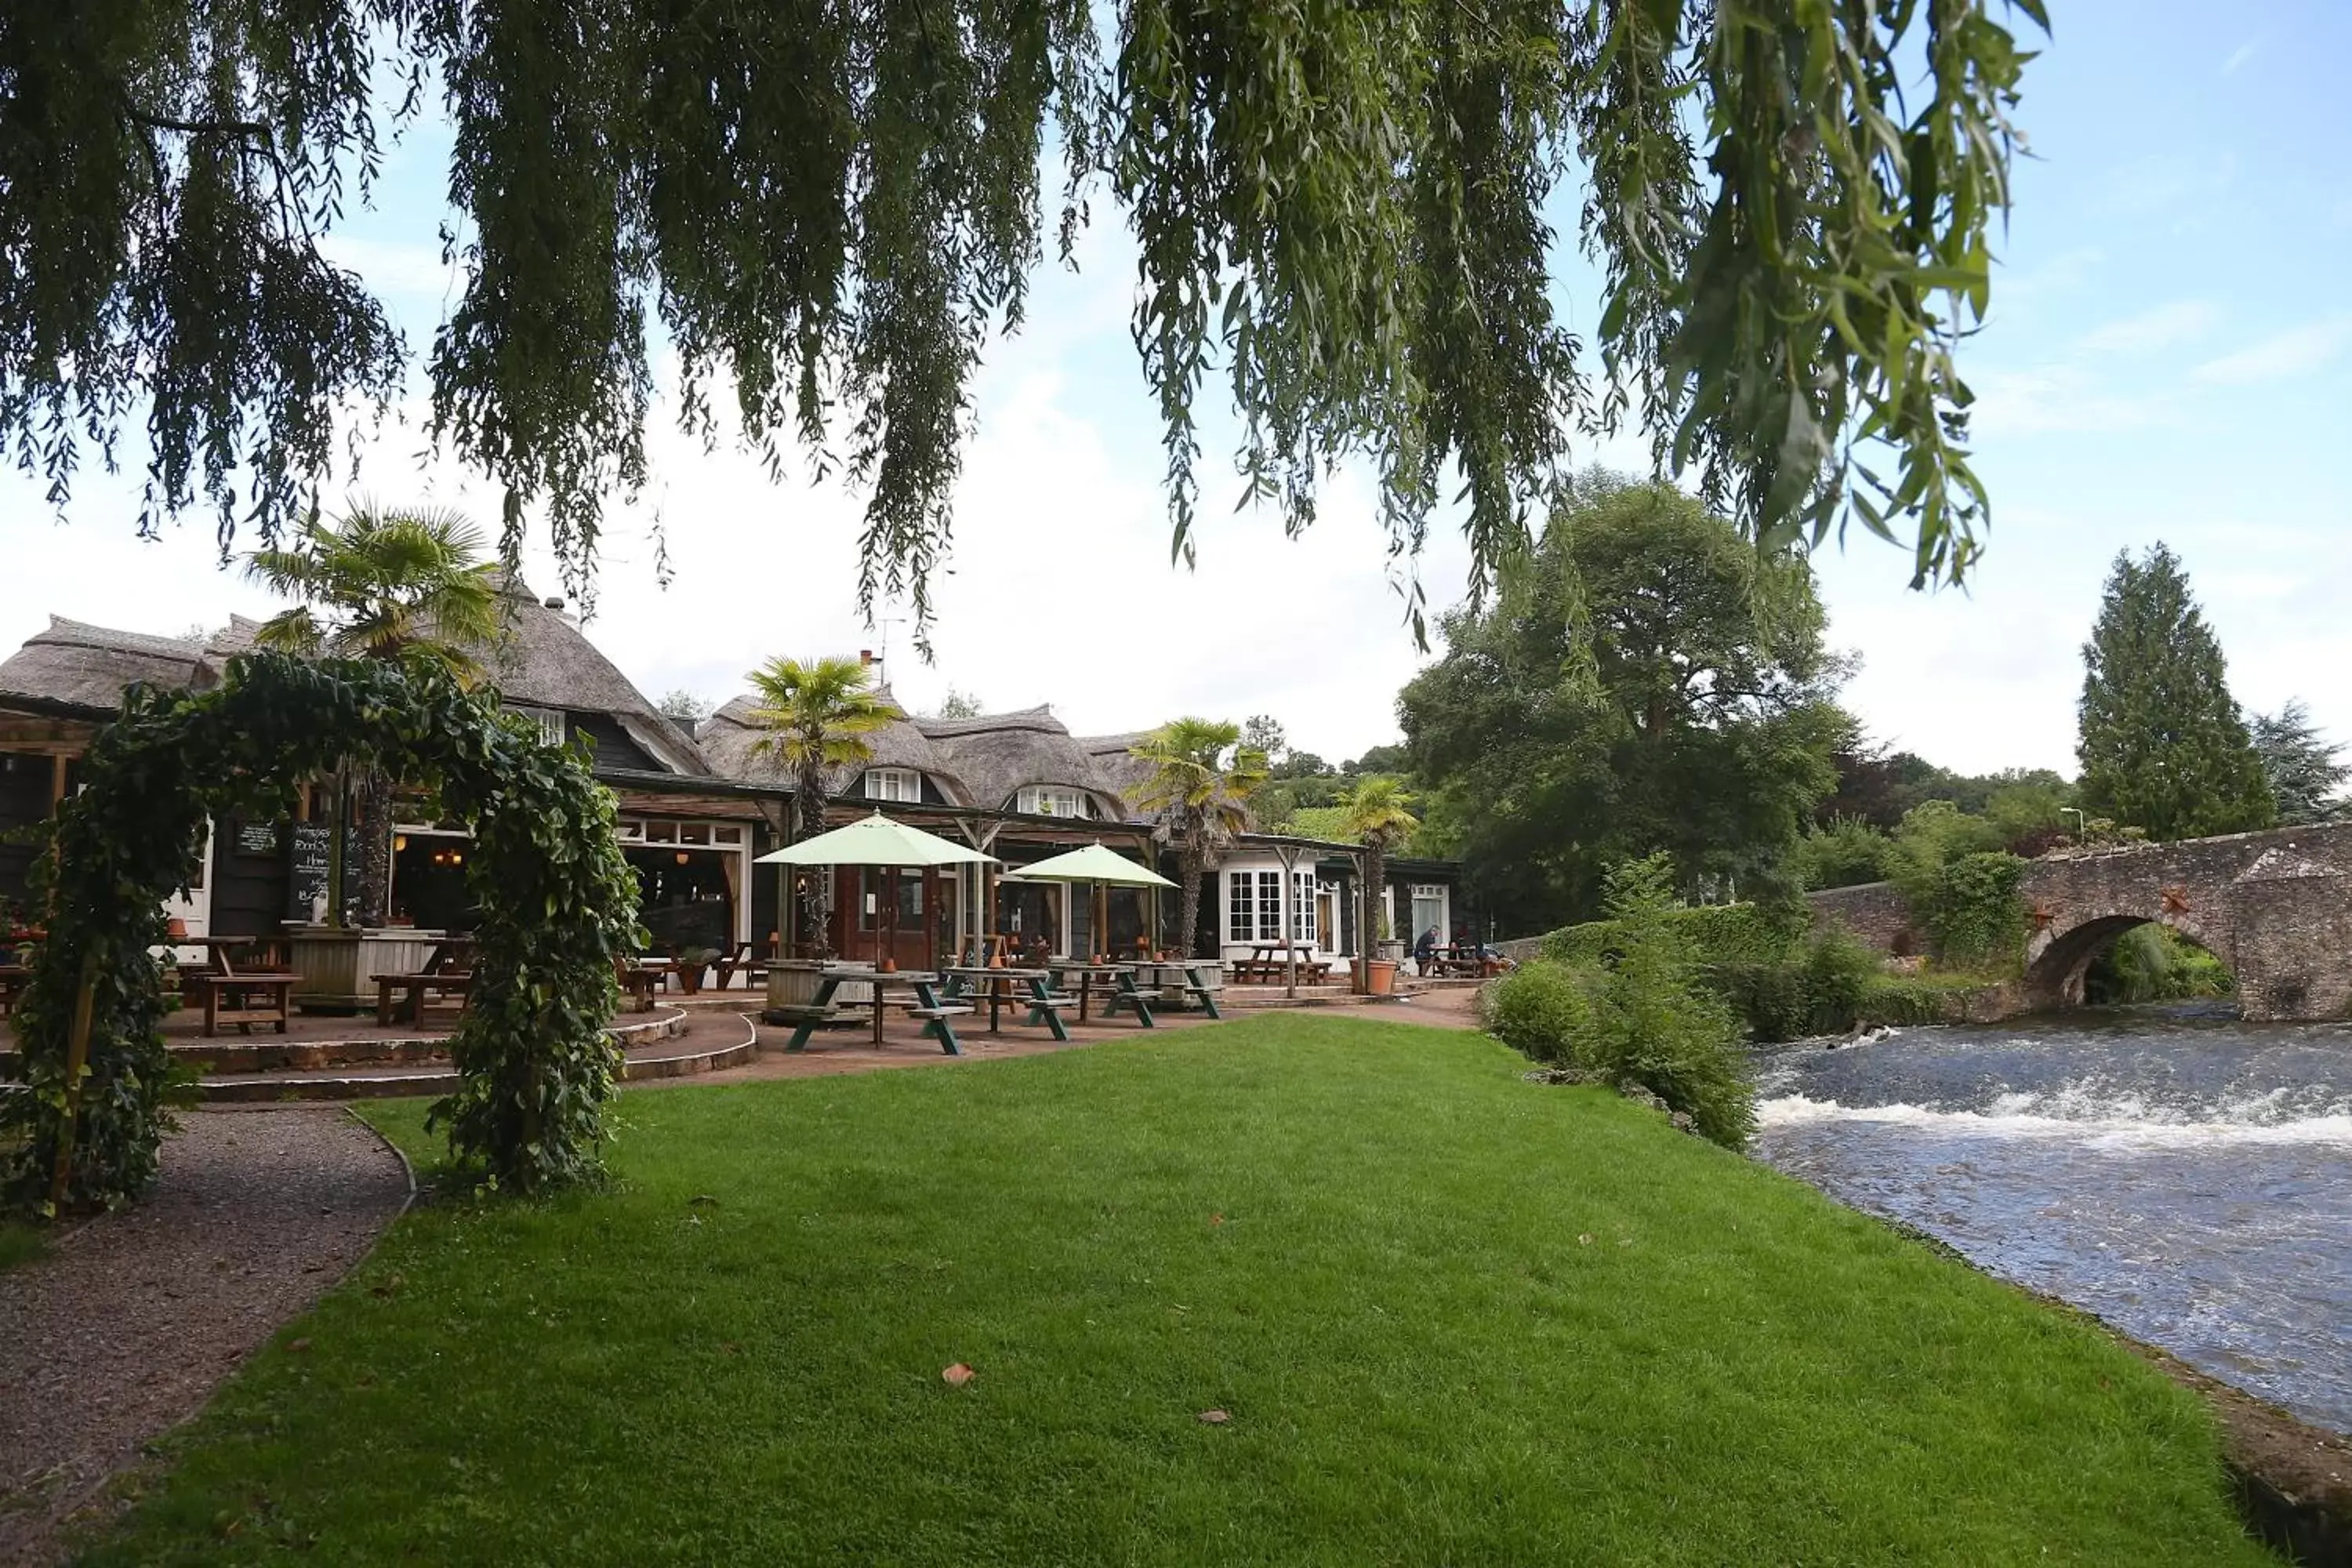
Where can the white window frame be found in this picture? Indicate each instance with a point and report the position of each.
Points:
(1439, 892)
(904, 785)
(1050, 800)
(549, 719)
(1241, 907)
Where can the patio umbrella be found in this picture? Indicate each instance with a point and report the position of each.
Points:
(876, 840)
(1094, 865)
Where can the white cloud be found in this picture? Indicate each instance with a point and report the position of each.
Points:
(2297, 351)
(2165, 326)
(2059, 399)
(2240, 55)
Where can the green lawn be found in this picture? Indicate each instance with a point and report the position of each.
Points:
(1456, 1319)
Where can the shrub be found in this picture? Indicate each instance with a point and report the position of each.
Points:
(1538, 1009)
(2154, 963)
(1624, 999)
(1846, 854)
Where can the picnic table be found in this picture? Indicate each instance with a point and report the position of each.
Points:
(1179, 975)
(938, 1012)
(445, 970)
(1269, 964)
(1029, 988)
(1116, 981)
(244, 991)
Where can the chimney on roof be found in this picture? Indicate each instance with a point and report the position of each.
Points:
(553, 602)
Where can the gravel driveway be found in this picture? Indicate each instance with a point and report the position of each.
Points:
(132, 1320)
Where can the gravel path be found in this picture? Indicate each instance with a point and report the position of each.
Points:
(132, 1320)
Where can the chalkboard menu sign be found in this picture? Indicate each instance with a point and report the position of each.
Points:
(310, 872)
(256, 838)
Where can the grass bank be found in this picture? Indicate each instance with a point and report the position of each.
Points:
(1454, 1318)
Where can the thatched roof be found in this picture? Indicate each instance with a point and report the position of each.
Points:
(76, 662)
(544, 660)
(996, 754)
(729, 737)
(1121, 771)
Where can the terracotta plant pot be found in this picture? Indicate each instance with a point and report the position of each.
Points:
(888, 966)
(176, 929)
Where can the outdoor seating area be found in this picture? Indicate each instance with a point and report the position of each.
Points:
(1462, 961)
(1277, 962)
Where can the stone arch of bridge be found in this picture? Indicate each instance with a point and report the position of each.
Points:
(2056, 961)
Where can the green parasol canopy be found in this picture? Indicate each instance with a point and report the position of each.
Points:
(874, 841)
(1092, 864)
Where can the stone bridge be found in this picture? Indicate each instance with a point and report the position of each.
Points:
(2277, 907)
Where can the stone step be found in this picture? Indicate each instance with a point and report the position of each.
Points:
(362, 1078)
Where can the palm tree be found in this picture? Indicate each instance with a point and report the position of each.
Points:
(817, 714)
(1200, 782)
(383, 583)
(1378, 819)
(389, 584)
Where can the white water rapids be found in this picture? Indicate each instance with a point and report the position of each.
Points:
(2183, 1175)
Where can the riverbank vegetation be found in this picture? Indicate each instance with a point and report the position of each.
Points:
(1292, 1290)
(2154, 962)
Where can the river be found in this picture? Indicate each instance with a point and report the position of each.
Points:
(2185, 1176)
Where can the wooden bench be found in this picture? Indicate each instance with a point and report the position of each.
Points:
(638, 982)
(738, 958)
(936, 1024)
(1046, 1009)
(412, 988)
(244, 997)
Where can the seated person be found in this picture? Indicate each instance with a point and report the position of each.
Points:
(1425, 948)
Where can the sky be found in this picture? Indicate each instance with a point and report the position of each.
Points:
(2168, 355)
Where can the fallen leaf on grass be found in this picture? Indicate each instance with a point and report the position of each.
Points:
(1214, 1417)
(1216, 1219)
(1584, 1240)
(957, 1375)
(302, 1345)
(391, 1283)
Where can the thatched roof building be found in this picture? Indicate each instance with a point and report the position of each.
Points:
(87, 666)
(996, 755)
(730, 738)
(542, 662)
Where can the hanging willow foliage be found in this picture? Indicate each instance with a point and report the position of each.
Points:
(831, 206)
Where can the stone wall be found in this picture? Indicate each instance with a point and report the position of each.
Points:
(1872, 911)
(2277, 907)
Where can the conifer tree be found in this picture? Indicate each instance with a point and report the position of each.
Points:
(2162, 743)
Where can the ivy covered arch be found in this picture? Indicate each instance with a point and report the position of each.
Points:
(557, 903)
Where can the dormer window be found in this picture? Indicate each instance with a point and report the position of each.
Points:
(549, 719)
(1050, 800)
(894, 783)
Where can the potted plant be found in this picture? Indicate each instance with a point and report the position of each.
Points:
(692, 962)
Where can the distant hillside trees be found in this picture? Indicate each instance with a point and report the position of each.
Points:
(1653, 683)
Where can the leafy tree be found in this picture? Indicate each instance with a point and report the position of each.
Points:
(2304, 774)
(685, 707)
(388, 583)
(1653, 682)
(818, 713)
(1378, 818)
(958, 704)
(1345, 209)
(2162, 744)
(1201, 779)
(1846, 853)
(1263, 733)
